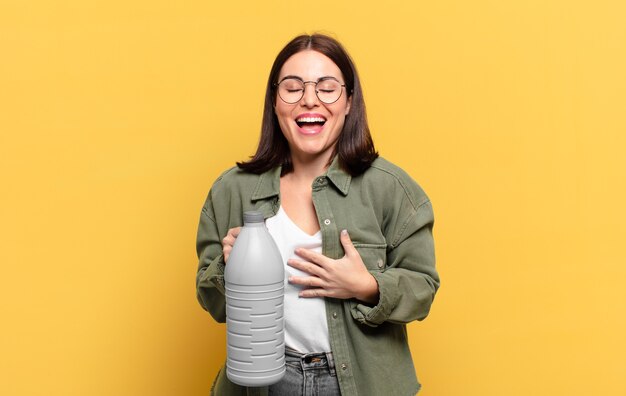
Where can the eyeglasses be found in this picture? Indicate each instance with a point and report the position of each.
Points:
(327, 89)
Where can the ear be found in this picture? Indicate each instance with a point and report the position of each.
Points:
(348, 104)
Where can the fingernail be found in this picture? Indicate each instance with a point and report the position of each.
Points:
(344, 232)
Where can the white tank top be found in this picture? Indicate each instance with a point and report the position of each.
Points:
(306, 329)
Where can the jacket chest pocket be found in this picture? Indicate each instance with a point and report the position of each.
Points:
(374, 255)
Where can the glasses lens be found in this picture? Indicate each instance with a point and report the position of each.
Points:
(329, 90)
(291, 90)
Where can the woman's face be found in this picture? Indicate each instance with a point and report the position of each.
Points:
(311, 126)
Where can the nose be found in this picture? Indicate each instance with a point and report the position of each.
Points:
(309, 99)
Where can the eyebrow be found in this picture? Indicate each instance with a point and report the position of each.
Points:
(301, 79)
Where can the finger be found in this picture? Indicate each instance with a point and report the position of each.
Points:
(312, 256)
(307, 267)
(347, 244)
(310, 293)
(309, 281)
(234, 232)
(228, 241)
(226, 252)
(231, 235)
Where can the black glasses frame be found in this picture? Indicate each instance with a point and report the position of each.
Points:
(304, 83)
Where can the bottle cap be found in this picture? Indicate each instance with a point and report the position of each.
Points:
(253, 217)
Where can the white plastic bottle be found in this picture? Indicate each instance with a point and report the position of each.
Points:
(255, 283)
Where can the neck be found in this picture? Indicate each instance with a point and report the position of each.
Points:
(308, 168)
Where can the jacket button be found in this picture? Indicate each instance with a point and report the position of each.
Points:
(344, 366)
(327, 222)
(335, 315)
(380, 263)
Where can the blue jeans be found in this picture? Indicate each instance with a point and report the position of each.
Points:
(307, 375)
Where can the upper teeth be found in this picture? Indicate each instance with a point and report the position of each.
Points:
(311, 119)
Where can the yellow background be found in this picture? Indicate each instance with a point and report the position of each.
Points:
(116, 117)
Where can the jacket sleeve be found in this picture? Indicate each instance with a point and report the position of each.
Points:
(210, 275)
(408, 285)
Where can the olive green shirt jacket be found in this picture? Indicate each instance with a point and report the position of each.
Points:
(389, 219)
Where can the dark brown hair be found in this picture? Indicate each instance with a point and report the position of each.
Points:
(355, 147)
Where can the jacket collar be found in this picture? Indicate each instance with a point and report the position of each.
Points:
(340, 178)
(269, 182)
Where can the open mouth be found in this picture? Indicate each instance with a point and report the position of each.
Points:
(309, 122)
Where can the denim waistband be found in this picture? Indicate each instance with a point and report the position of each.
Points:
(311, 361)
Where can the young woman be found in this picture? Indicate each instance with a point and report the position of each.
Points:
(354, 230)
